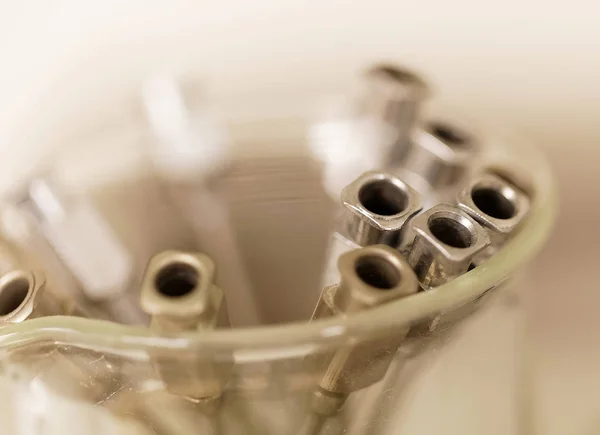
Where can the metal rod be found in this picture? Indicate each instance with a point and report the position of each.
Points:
(370, 276)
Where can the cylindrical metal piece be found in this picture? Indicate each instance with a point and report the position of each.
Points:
(23, 296)
(393, 94)
(377, 205)
(179, 295)
(441, 153)
(446, 241)
(370, 276)
(496, 204)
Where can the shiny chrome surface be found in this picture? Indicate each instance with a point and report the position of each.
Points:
(446, 241)
(496, 204)
(377, 206)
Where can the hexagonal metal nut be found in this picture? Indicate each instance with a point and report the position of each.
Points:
(446, 241)
(378, 205)
(179, 294)
(496, 204)
(441, 153)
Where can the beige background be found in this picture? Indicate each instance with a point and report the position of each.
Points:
(533, 66)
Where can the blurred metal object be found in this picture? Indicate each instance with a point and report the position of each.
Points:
(377, 207)
(370, 277)
(84, 242)
(446, 241)
(441, 153)
(23, 296)
(496, 204)
(190, 145)
(393, 94)
(179, 294)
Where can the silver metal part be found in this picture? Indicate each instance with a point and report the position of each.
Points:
(393, 94)
(178, 292)
(446, 241)
(23, 296)
(82, 239)
(441, 153)
(370, 277)
(377, 207)
(496, 204)
(179, 295)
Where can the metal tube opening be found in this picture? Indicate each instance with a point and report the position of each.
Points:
(452, 232)
(177, 279)
(450, 135)
(383, 197)
(493, 202)
(377, 272)
(12, 294)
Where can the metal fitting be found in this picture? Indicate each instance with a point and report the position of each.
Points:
(179, 294)
(393, 94)
(23, 296)
(446, 241)
(378, 205)
(370, 277)
(496, 204)
(441, 153)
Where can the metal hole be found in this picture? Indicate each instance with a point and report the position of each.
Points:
(177, 280)
(377, 272)
(451, 232)
(383, 197)
(493, 203)
(12, 294)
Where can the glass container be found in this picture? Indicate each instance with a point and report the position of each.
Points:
(267, 231)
